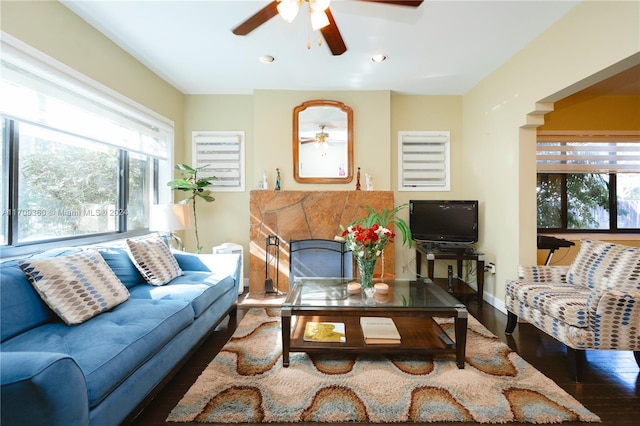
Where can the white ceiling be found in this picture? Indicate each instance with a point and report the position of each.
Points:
(442, 47)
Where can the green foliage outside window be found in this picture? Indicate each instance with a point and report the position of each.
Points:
(68, 188)
(585, 194)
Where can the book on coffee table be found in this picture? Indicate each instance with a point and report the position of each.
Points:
(324, 332)
(379, 330)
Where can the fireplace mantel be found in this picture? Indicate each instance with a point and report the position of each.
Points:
(299, 215)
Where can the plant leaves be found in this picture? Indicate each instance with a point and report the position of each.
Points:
(185, 168)
(208, 198)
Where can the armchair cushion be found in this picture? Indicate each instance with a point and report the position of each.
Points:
(615, 318)
(566, 303)
(602, 265)
(556, 274)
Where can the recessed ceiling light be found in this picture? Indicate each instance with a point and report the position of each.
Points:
(267, 59)
(378, 58)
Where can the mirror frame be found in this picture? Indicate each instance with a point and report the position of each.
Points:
(296, 142)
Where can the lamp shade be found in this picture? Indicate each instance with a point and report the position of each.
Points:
(319, 19)
(288, 9)
(169, 217)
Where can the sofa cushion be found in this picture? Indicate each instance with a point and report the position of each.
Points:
(567, 303)
(120, 263)
(111, 346)
(602, 265)
(21, 308)
(190, 262)
(153, 258)
(77, 287)
(200, 289)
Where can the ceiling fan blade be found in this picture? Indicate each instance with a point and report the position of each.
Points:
(410, 3)
(332, 36)
(259, 18)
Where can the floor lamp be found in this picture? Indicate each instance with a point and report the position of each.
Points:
(169, 218)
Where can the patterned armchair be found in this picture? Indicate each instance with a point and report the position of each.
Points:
(592, 304)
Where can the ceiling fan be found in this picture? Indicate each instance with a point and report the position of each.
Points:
(320, 137)
(318, 9)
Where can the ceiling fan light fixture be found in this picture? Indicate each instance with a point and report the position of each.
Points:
(319, 4)
(288, 9)
(322, 136)
(319, 19)
(267, 59)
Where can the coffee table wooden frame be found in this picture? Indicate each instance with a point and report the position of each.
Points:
(419, 332)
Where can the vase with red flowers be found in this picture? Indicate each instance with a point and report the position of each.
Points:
(367, 238)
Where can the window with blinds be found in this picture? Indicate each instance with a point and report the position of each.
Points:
(588, 181)
(221, 153)
(81, 162)
(593, 152)
(424, 161)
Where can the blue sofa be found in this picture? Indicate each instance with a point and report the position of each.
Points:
(101, 371)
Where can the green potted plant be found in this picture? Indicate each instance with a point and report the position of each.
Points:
(196, 186)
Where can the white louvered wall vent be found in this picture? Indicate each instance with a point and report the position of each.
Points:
(223, 155)
(423, 161)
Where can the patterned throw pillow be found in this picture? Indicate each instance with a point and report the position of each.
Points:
(77, 287)
(154, 259)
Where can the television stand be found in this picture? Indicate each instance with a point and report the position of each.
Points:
(454, 248)
(462, 290)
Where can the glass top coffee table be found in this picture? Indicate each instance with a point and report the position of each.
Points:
(411, 304)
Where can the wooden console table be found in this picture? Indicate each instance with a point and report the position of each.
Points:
(461, 289)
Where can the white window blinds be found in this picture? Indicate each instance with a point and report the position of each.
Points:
(588, 152)
(221, 153)
(38, 89)
(423, 161)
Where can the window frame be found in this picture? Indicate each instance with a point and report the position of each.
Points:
(95, 96)
(12, 247)
(614, 164)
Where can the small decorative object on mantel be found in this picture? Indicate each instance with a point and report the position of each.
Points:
(277, 179)
(367, 238)
(358, 180)
(368, 181)
(265, 182)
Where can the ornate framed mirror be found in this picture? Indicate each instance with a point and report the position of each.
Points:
(323, 142)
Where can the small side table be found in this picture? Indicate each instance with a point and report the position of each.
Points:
(461, 288)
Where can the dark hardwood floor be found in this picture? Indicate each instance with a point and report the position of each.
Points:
(610, 387)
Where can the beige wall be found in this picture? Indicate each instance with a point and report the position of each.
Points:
(273, 147)
(227, 218)
(410, 113)
(493, 135)
(499, 148)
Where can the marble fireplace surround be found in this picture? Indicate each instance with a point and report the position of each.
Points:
(299, 215)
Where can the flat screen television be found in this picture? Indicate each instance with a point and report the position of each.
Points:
(444, 221)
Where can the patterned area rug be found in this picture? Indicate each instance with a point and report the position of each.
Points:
(246, 383)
